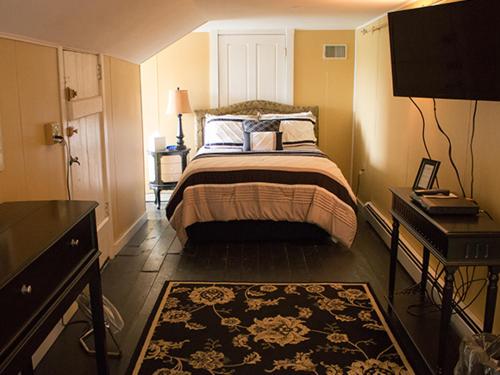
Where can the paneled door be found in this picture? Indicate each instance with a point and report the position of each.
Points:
(85, 130)
(251, 67)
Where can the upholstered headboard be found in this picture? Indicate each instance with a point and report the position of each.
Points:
(251, 107)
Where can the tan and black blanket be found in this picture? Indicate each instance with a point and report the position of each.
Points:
(290, 185)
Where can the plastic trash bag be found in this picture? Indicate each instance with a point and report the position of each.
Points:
(479, 354)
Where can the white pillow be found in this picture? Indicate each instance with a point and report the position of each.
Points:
(263, 141)
(297, 128)
(224, 131)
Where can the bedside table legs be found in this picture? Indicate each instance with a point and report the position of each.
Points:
(157, 193)
(425, 271)
(98, 321)
(394, 257)
(446, 310)
(491, 298)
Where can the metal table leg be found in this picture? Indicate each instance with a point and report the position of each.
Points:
(491, 298)
(446, 310)
(394, 257)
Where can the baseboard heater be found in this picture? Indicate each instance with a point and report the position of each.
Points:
(413, 265)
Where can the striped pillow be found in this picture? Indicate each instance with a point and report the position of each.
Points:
(224, 131)
(297, 128)
(263, 141)
(261, 126)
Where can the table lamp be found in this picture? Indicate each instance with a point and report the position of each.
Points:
(178, 103)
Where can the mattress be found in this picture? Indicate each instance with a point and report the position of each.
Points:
(299, 184)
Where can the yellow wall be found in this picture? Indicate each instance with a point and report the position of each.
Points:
(29, 98)
(184, 64)
(124, 119)
(387, 140)
(329, 84)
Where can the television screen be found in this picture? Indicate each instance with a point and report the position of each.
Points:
(447, 51)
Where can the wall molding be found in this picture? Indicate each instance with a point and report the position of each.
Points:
(464, 321)
(129, 233)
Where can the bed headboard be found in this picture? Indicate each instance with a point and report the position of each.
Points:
(251, 107)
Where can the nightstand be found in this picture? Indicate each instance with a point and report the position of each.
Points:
(158, 184)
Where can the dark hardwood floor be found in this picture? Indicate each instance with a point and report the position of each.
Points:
(133, 280)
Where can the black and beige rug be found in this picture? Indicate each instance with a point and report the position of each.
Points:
(249, 328)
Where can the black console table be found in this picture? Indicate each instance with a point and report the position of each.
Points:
(48, 254)
(455, 241)
(158, 184)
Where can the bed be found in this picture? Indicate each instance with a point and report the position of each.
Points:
(236, 190)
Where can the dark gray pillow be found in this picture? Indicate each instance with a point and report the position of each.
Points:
(251, 126)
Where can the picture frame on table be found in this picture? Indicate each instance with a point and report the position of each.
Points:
(426, 174)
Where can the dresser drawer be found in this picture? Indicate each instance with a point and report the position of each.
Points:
(34, 288)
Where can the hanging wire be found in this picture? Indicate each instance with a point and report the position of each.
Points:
(450, 148)
(424, 141)
(472, 151)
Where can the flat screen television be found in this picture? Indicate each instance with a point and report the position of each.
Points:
(447, 51)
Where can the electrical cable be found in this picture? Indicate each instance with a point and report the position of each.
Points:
(450, 148)
(358, 184)
(423, 132)
(472, 151)
(68, 171)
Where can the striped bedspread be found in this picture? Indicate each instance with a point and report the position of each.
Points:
(299, 185)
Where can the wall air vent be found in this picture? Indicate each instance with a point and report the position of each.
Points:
(334, 51)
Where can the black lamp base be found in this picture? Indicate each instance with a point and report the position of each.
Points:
(180, 134)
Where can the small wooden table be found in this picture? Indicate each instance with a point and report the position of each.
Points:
(455, 241)
(158, 184)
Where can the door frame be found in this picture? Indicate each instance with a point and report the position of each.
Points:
(214, 59)
(106, 131)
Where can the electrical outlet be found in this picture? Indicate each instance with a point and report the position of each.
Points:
(53, 133)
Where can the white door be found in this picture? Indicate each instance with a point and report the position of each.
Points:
(86, 145)
(252, 67)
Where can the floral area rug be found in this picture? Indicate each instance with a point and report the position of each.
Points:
(243, 328)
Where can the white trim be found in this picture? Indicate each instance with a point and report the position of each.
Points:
(374, 217)
(129, 233)
(373, 20)
(251, 32)
(289, 35)
(353, 124)
(290, 51)
(402, 6)
(26, 39)
(214, 69)
(107, 153)
(64, 116)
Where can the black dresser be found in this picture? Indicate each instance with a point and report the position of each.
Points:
(48, 254)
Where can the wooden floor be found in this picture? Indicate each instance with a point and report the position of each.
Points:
(133, 280)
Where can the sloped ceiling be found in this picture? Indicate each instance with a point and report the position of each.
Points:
(134, 30)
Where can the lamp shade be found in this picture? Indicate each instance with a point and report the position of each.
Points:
(178, 102)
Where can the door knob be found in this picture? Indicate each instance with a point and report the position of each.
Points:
(73, 160)
(26, 289)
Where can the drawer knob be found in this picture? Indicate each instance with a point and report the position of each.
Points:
(26, 289)
(74, 242)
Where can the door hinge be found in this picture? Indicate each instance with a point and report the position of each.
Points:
(286, 52)
(107, 208)
(99, 72)
(70, 93)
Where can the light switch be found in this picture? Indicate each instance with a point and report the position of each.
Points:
(53, 133)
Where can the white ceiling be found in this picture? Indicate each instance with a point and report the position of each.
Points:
(134, 30)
